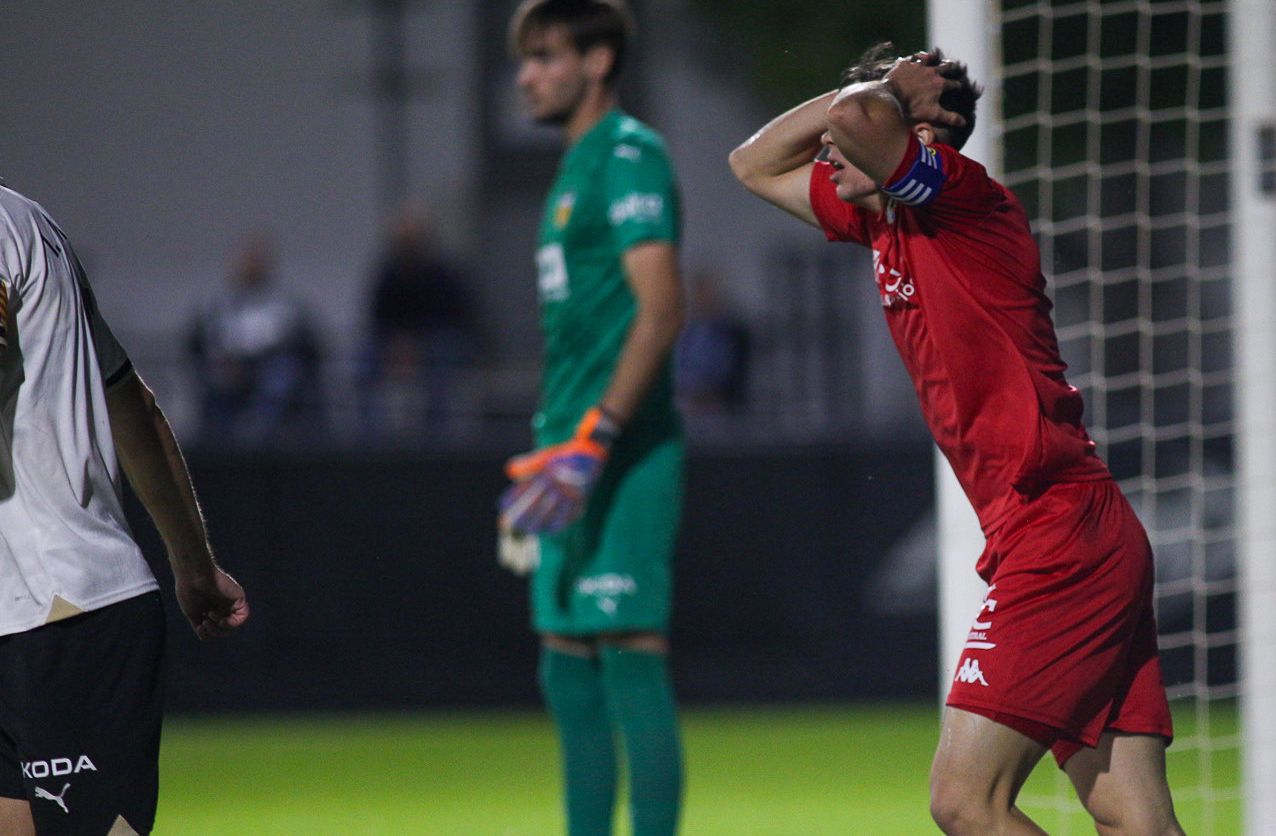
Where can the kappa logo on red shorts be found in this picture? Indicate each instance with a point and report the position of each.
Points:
(970, 672)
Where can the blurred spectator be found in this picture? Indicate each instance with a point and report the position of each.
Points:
(711, 361)
(255, 357)
(423, 331)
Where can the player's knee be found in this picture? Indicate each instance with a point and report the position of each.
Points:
(642, 642)
(955, 816)
(1130, 809)
(956, 807)
(1135, 820)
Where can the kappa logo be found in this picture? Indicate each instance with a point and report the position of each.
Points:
(57, 767)
(970, 672)
(41, 792)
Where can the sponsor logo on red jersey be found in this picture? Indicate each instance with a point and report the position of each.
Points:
(895, 287)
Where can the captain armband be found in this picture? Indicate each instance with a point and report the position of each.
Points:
(922, 182)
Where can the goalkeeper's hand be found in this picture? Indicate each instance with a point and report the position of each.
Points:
(552, 484)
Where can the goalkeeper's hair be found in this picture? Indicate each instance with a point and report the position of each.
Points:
(877, 61)
(589, 23)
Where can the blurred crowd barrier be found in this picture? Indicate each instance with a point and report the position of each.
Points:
(374, 581)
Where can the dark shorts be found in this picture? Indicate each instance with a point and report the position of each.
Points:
(1064, 647)
(80, 712)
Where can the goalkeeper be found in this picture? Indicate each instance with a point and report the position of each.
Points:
(1062, 656)
(600, 496)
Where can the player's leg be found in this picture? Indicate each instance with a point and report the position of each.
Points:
(629, 591)
(1122, 780)
(572, 684)
(611, 575)
(15, 817)
(15, 810)
(641, 698)
(1066, 636)
(86, 702)
(1122, 784)
(978, 770)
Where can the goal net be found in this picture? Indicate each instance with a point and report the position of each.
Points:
(1111, 120)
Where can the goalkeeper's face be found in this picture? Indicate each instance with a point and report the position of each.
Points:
(851, 184)
(553, 76)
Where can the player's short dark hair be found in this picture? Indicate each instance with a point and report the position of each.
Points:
(589, 23)
(877, 61)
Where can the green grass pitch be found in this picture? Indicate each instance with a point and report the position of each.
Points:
(794, 771)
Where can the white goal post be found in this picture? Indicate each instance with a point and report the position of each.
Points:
(962, 28)
(1253, 138)
(1141, 135)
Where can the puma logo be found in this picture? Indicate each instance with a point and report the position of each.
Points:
(41, 792)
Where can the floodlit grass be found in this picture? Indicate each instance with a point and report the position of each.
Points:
(857, 769)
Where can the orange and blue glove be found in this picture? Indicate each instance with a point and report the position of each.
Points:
(552, 484)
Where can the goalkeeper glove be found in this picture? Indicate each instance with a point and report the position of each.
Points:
(520, 553)
(552, 484)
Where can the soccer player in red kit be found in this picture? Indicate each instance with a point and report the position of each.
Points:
(1062, 655)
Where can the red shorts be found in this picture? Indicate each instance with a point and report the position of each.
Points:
(1064, 645)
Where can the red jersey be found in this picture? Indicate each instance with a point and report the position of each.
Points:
(960, 280)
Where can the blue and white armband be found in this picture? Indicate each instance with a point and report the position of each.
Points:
(922, 182)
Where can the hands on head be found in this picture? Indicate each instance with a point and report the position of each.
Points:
(918, 82)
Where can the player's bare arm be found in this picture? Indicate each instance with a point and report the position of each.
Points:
(775, 163)
(552, 484)
(212, 600)
(871, 122)
(651, 268)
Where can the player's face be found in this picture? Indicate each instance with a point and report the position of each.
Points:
(551, 75)
(851, 183)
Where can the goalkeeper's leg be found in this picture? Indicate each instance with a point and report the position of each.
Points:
(640, 695)
(572, 683)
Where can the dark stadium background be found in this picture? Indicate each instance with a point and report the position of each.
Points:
(161, 135)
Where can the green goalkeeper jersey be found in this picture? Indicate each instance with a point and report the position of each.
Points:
(615, 188)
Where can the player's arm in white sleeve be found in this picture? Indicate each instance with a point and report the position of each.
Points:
(212, 601)
(775, 163)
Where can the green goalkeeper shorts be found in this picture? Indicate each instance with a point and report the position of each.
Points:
(612, 570)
